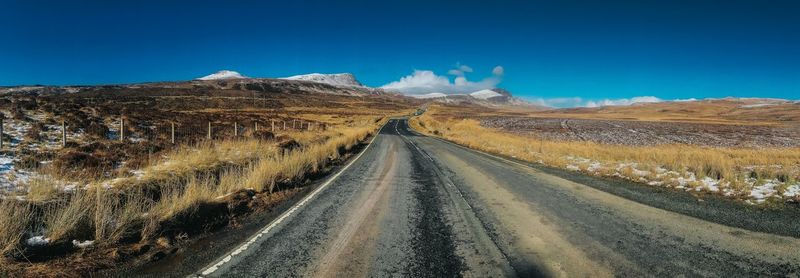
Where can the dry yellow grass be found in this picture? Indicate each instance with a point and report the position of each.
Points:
(40, 188)
(13, 222)
(107, 211)
(67, 213)
(728, 164)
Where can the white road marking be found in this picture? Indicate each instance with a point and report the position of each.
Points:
(211, 269)
(412, 143)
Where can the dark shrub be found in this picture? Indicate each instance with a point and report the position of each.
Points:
(35, 132)
(262, 135)
(289, 144)
(97, 130)
(76, 160)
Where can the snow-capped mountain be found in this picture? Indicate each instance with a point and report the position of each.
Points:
(223, 74)
(338, 84)
(336, 79)
(485, 94)
(487, 97)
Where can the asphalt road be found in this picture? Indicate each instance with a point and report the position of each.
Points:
(413, 205)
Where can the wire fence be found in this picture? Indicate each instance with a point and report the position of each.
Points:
(52, 134)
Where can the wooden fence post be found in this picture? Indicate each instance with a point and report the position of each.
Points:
(541, 142)
(273, 125)
(1, 132)
(209, 130)
(63, 134)
(256, 127)
(172, 133)
(121, 129)
(235, 129)
(284, 125)
(294, 124)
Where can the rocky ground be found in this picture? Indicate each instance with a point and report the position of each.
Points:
(646, 133)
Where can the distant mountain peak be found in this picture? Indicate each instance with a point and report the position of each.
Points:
(485, 94)
(223, 74)
(485, 97)
(336, 79)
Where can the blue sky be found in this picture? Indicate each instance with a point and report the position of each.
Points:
(562, 53)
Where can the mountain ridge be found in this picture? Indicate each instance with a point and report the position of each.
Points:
(336, 79)
(222, 75)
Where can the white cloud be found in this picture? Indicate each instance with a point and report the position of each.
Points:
(558, 102)
(460, 70)
(455, 72)
(563, 102)
(498, 70)
(623, 101)
(425, 81)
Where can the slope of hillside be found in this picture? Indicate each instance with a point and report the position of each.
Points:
(227, 81)
(336, 79)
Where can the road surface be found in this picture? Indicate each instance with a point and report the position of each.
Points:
(412, 205)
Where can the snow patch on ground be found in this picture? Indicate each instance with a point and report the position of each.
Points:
(10, 176)
(594, 167)
(762, 192)
(757, 105)
(641, 173)
(82, 244)
(686, 180)
(709, 184)
(792, 191)
(37, 241)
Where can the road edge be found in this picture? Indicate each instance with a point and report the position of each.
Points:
(229, 256)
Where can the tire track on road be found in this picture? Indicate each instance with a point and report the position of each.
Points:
(330, 264)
